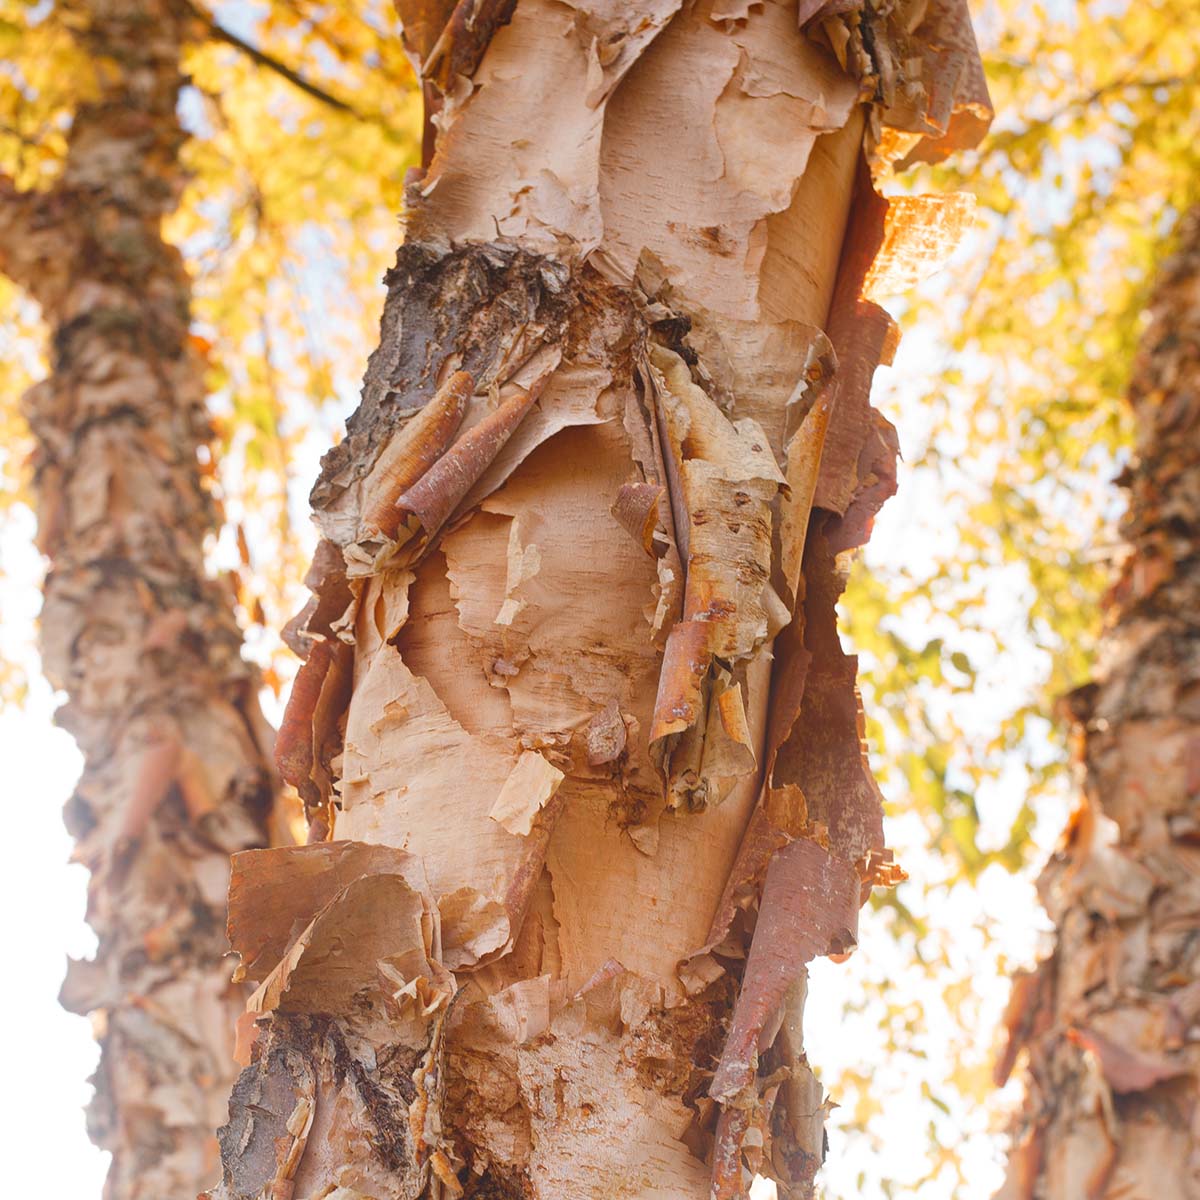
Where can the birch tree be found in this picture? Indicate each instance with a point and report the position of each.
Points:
(578, 744)
(1108, 1019)
(177, 770)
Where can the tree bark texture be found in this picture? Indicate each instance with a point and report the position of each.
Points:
(177, 768)
(573, 704)
(1110, 1019)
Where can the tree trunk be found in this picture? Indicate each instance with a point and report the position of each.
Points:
(1110, 1018)
(141, 640)
(574, 703)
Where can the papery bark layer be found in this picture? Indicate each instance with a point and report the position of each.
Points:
(638, 216)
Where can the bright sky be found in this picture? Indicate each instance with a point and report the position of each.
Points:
(48, 1054)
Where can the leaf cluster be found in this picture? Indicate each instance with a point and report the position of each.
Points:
(303, 119)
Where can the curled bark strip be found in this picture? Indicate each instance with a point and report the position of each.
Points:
(422, 23)
(723, 483)
(729, 1177)
(684, 666)
(809, 908)
(954, 110)
(852, 451)
(888, 246)
(411, 453)
(803, 469)
(331, 596)
(788, 678)
(294, 633)
(271, 891)
(824, 754)
(1022, 1001)
(644, 428)
(760, 841)
(863, 336)
(424, 508)
(919, 62)
(877, 481)
(294, 745)
(799, 1111)
(767, 1094)
(728, 748)
(780, 817)
(524, 879)
(460, 46)
(326, 573)
(636, 511)
(309, 731)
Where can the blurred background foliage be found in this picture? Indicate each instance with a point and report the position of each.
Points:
(979, 600)
(303, 117)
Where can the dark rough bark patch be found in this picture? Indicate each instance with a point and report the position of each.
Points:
(466, 303)
(262, 1100)
(306, 1059)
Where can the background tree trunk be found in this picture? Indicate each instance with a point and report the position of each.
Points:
(573, 696)
(141, 640)
(1109, 1019)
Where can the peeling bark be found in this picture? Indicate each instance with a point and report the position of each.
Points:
(633, 225)
(1109, 1020)
(142, 642)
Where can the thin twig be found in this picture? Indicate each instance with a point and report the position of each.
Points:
(271, 63)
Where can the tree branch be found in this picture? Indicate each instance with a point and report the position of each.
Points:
(271, 63)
